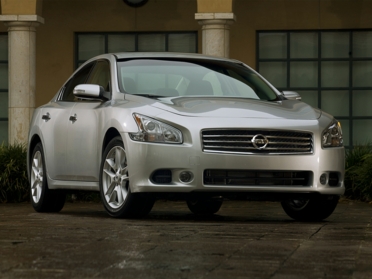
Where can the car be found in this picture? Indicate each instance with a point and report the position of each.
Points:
(139, 127)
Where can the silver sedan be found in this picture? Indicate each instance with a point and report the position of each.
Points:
(142, 126)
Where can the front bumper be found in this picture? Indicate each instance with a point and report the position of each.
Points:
(146, 158)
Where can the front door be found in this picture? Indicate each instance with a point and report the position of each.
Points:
(82, 145)
(85, 129)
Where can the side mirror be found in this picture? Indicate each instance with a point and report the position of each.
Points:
(91, 91)
(291, 95)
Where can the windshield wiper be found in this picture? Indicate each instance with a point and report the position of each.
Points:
(149, 96)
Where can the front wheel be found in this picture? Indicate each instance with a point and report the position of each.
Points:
(115, 191)
(42, 198)
(204, 206)
(313, 209)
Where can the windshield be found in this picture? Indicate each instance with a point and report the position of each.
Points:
(191, 77)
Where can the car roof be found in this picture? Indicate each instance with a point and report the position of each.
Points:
(176, 55)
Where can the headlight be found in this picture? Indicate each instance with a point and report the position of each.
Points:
(151, 130)
(332, 136)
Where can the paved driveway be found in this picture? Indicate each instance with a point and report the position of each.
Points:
(245, 240)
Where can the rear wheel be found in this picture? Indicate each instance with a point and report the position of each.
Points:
(42, 198)
(313, 209)
(204, 206)
(115, 191)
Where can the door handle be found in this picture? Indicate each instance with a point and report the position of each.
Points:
(73, 118)
(46, 117)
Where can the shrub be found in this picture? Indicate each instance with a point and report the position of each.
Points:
(358, 175)
(13, 173)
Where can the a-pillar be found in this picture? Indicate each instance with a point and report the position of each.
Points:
(22, 44)
(216, 32)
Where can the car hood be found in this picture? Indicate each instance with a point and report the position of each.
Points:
(237, 107)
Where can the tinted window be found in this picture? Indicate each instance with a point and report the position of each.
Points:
(79, 78)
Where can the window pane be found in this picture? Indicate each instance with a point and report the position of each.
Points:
(3, 76)
(362, 44)
(275, 73)
(272, 45)
(304, 45)
(336, 102)
(361, 135)
(304, 74)
(90, 46)
(182, 43)
(4, 47)
(151, 42)
(335, 44)
(362, 73)
(335, 74)
(3, 105)
(120, 43)
(345, 125)
(309, 97)
(3, 132)
(362, 101)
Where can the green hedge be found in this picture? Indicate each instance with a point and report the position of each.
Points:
(358, 176)
(13, 173)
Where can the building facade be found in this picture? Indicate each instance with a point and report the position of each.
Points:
(319, 48)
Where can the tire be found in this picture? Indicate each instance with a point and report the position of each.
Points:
(116, 195)
(42, 198)
(313, 209)
(204, 206)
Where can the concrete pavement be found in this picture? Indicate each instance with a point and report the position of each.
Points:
(244, 240)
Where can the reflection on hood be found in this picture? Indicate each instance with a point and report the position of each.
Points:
(237, 107)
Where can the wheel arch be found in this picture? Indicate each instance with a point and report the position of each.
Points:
(110, 134)
(32, 143)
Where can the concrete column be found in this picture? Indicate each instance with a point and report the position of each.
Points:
(22, 44)
(216, 32)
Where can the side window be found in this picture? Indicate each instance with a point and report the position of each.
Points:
(79, 78)
(101, 75)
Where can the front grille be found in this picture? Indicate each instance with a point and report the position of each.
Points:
(257, 178)
(257, 142)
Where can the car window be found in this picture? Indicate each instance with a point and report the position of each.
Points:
(215, 83)
(191, 77)
(101, 75)
(240, 85)
(79, 78)
(163, 84)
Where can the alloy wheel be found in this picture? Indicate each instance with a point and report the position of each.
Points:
(37, 176)
(115, 179)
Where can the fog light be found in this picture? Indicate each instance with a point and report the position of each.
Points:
(323, 179)
(186, 176)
